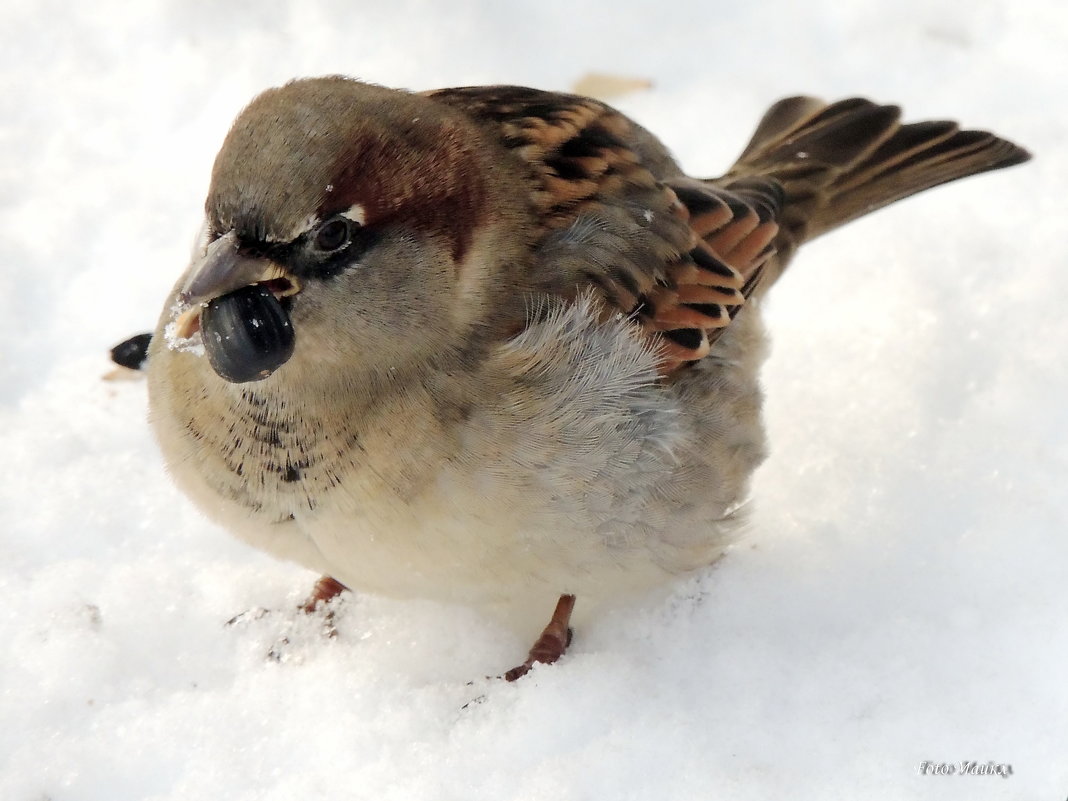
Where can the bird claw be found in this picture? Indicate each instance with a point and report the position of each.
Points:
(248, 616)
(325, 591)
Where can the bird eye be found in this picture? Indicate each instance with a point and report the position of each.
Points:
(333, 235)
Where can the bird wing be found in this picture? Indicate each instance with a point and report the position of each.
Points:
(679, 255)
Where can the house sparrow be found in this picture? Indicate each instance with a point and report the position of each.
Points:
(491, 345)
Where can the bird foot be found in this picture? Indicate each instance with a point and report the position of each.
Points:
(553, 641)
(325, 590)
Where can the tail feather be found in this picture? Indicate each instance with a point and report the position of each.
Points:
(901, 171)
(840, 161)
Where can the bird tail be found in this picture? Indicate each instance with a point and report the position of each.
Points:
(837, 162)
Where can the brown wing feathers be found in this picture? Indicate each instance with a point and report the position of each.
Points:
(680, 254)
(733, 229)
(675, 254)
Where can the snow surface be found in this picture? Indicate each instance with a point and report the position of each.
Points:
(900, 596)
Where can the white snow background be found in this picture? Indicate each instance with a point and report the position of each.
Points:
(901, 594)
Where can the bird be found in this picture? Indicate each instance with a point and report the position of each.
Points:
(492, 345)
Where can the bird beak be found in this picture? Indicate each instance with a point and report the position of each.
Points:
(222, 269)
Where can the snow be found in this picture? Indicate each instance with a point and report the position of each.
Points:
(899, 597)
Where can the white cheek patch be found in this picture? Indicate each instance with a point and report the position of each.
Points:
(355, 213)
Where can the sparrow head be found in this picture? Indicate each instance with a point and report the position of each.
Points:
(344, 229)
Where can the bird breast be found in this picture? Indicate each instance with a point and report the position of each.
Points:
(561, 476)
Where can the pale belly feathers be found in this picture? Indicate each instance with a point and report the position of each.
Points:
(582, 474)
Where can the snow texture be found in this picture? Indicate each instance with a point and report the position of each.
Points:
(899, 598)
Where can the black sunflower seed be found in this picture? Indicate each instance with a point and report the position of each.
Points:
(247, 334)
